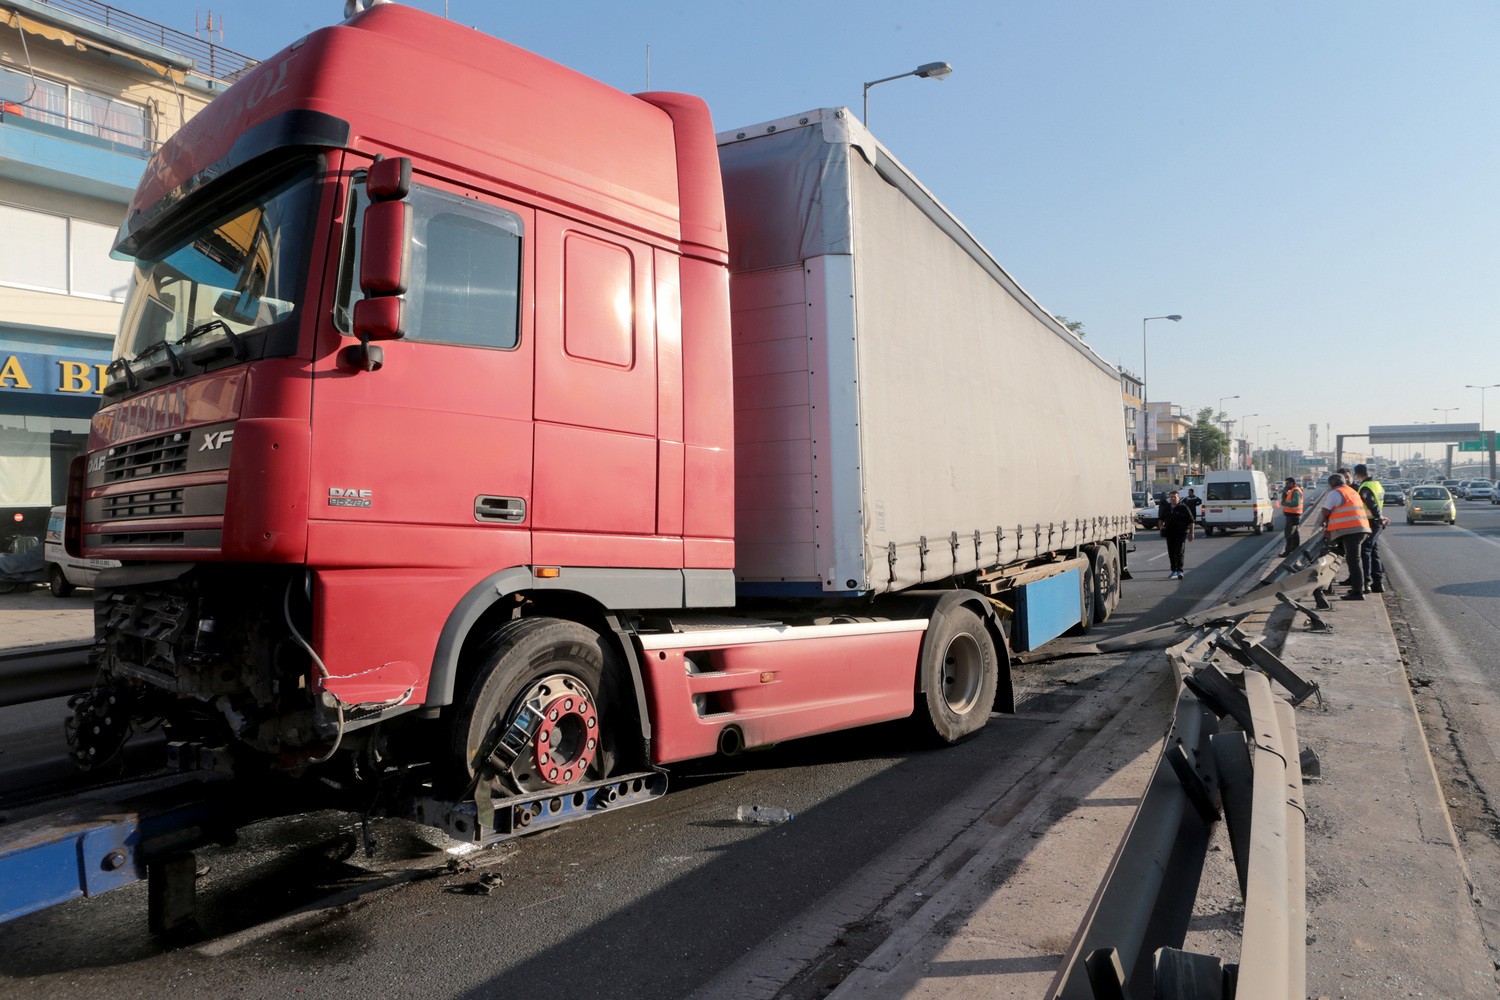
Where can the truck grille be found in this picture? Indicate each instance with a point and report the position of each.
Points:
(143, 538)
(159, 456)
(157, 503)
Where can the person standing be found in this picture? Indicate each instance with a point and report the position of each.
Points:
(1291, 510)
(1343, 516)
(1193, 502)
(1372, 494)
(1177, 527)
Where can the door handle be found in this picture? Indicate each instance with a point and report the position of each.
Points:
(506, 510)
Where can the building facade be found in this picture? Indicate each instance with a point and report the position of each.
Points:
(87, 93)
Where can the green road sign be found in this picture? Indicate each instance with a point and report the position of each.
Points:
(1471, 446)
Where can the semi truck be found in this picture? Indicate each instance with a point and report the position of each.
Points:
(525, 443)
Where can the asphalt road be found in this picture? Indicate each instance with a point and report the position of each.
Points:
(1445, 609)
(652, 901)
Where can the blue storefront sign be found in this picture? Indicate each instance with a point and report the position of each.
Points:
(57, 385)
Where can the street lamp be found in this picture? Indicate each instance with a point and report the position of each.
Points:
(1145, 384)
(928, 71)
(1481, 389)
(1224, 423)
(1246, 428)
(1445, 410)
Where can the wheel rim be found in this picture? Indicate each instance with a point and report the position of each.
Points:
(566, 744)
(963, 674)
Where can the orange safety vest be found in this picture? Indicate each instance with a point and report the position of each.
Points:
(1287, 506)
(1349, 516)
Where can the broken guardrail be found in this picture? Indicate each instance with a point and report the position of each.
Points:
(1249, 773)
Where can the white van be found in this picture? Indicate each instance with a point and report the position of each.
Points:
(1236, 498)
(63, 571)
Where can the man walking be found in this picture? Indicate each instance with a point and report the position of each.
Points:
(1342, 514)
(1291, 510)
(1177, 527)
(1372, 494)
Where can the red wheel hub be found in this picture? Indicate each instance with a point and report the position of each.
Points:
(567, 740)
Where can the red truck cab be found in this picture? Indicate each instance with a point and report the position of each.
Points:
(563, 373)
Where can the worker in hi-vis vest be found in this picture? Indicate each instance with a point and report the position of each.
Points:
(1342, 514)
(1291, 509)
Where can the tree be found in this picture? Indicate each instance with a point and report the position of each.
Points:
(1075, 326)
(1206, 440)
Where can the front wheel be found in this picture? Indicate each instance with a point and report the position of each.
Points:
(564, 673)
(960, 671)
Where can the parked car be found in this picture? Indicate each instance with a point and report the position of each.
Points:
(1148, 516)
(1480, 489)
(64, 572)
(1431, 503)
(1395, 496)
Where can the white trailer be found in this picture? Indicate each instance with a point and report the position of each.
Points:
(905, 412)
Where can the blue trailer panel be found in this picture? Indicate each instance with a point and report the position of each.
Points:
(1045, 609)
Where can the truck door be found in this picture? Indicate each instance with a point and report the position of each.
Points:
(426, 462)
(595, 465)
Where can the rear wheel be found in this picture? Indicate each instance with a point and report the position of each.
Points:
(960, 670)
(1088, 588)
(1106, 582)
(1258, 528)
(58, 581)
(565, 673)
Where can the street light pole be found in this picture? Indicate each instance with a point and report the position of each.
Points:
(1224, 423)
(1244, 426)
(927, 71)
(1145, 383)
(1484, 434)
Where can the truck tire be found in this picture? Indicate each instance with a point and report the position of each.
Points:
(960, 671)
(58, 581)
(571, 672)
(1106, 582)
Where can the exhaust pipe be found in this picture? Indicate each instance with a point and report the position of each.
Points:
(731, 741)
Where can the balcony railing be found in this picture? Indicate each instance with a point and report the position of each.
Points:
(72, 129)
(213, 61)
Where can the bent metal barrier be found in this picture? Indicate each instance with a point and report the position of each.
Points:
(1231, 753)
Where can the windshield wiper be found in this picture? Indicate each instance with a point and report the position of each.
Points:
(236, 345)
(173, 360)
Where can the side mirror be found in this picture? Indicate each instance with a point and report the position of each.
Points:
(384, 261)
(385, 250)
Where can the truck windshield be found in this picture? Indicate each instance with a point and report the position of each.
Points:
(218, 289)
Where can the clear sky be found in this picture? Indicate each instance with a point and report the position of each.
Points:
(1315, 187)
